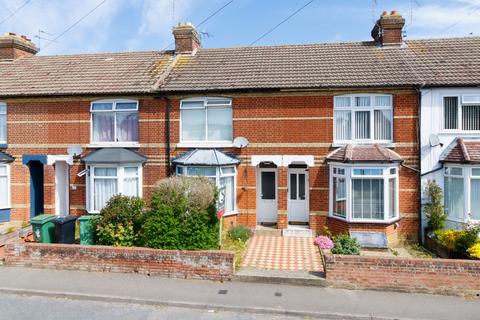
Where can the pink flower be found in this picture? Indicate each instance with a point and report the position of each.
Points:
(323, 242)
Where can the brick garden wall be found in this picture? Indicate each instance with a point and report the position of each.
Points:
(438, 276)
(210, 265)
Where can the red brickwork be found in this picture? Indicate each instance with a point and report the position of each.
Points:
(210, 265)
(439, 276)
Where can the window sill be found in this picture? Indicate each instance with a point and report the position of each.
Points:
(114, 145)
(391, 221)
(3, 145)
(383, 144)
(458, 132)
(201, 144)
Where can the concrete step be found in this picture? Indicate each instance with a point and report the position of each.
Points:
(268, 231)
(299, 278)
(297, 232)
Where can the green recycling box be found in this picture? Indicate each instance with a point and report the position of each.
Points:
(43, 228)
(87, 229)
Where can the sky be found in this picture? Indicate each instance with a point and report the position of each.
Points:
(135, 25)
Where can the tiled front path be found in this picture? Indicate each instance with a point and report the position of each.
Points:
(282, 253)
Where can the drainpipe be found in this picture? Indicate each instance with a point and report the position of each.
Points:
(419, 133)
(167, 135)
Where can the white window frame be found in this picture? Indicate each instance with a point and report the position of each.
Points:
(3, 104)
(182, 170)
(353, 109)
(460, 103)
(9, 204)
(349, 176)
(120, 177)
(114, 102)
(467, 177)
(206, 142)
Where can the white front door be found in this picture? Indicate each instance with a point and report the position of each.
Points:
(298, 209)
(267, 195)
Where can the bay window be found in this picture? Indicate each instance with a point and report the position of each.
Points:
(4, 186)
(224, 178)
(114, 121)
(106, 181)
(363, 118)
(206, 120)
(3, 123)
(364, 194)
(462, 193)
(461, 113)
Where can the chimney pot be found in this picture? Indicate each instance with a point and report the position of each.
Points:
(388, 30)
(186, 37)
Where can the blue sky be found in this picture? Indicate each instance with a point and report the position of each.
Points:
(131, 25)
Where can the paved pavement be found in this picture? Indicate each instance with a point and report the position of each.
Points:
(234, 296)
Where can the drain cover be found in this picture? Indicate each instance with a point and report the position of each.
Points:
(278, 294)
(222, 291)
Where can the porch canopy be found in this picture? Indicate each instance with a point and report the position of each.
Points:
(361, 154)
(114, 155)
(205, 157)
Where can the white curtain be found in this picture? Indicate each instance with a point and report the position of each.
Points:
(127, 126)
(193, 125)
(105, 186)
(475, 199)
(339, 194)
(450, 112)
(103, 130)
(454, 203)
(362, 101)
(368, 199)
(229, 184)
(471, 118)
(219, 124)
(383, 101)
(392, 197)
(342, 101)
(362, 125)
(3, 187)
(383, 123)
(343, 125)
(130, 184)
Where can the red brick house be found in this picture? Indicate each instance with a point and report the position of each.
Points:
(332, 129)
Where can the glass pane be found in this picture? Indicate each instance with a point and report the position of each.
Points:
(362, 102)
(301, 186)
(339, 197)
(476, 172)
(368, 172)
(102, 106)
(471, 118)
(193, 125)
(103, 130)
(202, 171)
(343, 125)
(228, 170)
(105, 172)
(180, 171)
(131, 171)
(293, 186)
(362, 125)
(454, 197)
(475, 199)
(219, 124)
(383, 125)
(3, 108)
(104, 189)
(3, 191)
(383, 101)
(3, 170)
(450, 112)
(219, 102)
(392, 198)
(357, 198)
(193, 104)
(368, 199)
(229, 184)
(268, 185)
(393, 171)
(454, 171)
(3, 128)
(126, 106)
(127, 126)
(342, 101)
(130, 187)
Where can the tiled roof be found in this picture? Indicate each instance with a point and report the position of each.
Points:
(462, 151)
(114, 155)
(133, 72)
(205, 157)
(367, 153)
(5, 157)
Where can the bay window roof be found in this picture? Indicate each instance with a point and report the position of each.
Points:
(114, 156)
(368, 153)
(462, 151)
(206, 157)
(4, 157)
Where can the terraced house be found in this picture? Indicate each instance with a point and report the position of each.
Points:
(299, 136)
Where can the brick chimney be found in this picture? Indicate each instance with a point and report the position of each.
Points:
(388, 29)
(13, 46)
(186, 37)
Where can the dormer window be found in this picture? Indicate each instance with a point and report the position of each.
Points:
(114, 121)
(363, 119)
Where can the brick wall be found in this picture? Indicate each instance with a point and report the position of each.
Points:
(211, 265)
(438, 276)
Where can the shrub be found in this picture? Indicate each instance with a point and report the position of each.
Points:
(344, 244)
(120, 222)
(448, 238)
(474, 251)
(468, 237)
(182, 215)
(434, 212)
(323, 242)
(239, 233)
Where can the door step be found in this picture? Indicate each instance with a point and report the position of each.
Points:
(267, 231)
(297, 232)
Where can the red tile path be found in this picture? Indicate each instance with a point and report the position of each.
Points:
(282, 253)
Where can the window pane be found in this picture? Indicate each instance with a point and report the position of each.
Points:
(476, 172)
(450, 112)
(268, 185)
(362, 125)
(218, 102)
(3, 128)
(130, 186)
(362, 102)
(368, 172)
(193, 104)
(368, 199)
(3, 108)
(342, 101)
(3, 191)
(293, 186)
(471, 118)
(126, 106)
(103, 127)
(127, 126)
(229, 184)
(343, 125)
(383, 101)
(202, 171)
(3, 170)
(219, 124)
(475, 199)
(339, 197)
(179, 171)
(383, 125)
(452, 171)
(228, 170)
(104, 189)
(131, 171)
(392, 197)
(102, 106)
(193, 125)
(454, 197)
(301, 186)
(105, 172)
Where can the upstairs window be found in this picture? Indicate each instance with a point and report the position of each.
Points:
(3, 123)
(114, 121)
(363, 118)
(461, 113)
(206, 120)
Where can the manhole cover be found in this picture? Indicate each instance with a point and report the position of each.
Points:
(222, 291)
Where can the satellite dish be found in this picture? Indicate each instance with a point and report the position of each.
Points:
(74, 150)
(240, 142)
(434, 141)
